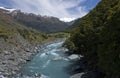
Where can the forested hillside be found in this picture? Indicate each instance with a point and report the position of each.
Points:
(97, 38)
(9, 28)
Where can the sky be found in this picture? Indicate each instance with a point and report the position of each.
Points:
(66, 10)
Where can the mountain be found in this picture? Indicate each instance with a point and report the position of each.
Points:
(6, 10)
(44, 24)
(11, 29)
(17, 44)
(97, 38)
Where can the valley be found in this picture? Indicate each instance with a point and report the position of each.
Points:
(33, 45)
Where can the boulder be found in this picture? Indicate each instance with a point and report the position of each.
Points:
(78, 75)
(7, 53)
(74, 57)
(36, 48)
(58, 58)
(43, 76)
(1, 76)
(37, 75)
(27, 50)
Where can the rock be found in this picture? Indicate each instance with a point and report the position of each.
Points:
(79, 75)
(36, 48)
(81, 56)
(27, 50)
(22, 60)
(11, 59)
(93, 74)
(65, 50)
(47, 53)
(7, 53)
(43, 76)
(74, 57)
(4, 62)
(1, 70)
(58, 58)
(37, 75)
(12, 56)
(13, 72)
(28, 60)
(1, 76)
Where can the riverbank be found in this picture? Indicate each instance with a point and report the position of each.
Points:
(81, 69)
(51, 61)
(11, 58)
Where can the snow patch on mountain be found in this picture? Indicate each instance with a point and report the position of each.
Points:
(8, 9)
(65, 19)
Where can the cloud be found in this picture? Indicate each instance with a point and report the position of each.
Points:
(56, 8)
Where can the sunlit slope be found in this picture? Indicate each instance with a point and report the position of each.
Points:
(9, 27)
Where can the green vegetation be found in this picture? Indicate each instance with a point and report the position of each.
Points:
(3, 32)
(9, 27)
(31, 35)
(97, 38)
(41, 23)
(59, 35)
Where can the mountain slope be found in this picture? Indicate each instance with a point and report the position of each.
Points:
(17, 44)
(97, 38)
(44, 24)
(9, 27)
(41, 23)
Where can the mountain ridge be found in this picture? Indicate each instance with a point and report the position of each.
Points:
(46, 24)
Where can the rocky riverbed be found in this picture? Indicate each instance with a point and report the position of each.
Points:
(13, 56)
(10, 60)
(51, 62)
(13, 53)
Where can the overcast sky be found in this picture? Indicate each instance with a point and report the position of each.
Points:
(64, 9)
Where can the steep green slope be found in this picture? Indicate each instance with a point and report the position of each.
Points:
(109, 50)
(9, 27)
(97, 38)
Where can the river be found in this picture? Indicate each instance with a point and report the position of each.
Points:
(51, 62)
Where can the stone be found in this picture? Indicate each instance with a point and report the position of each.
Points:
(11, 59)
(78, 75)
(37, 75)
(36, 48)
(43, 76)
(1, 76)
(28, 60)
(13, 72)
(74, 57)
(58, 58)
(47, 53)
(7, 53)
(27, 50)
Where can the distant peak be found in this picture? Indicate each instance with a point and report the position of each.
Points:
(8, 9)
(65, 19)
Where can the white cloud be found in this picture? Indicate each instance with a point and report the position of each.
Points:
(56, 8)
